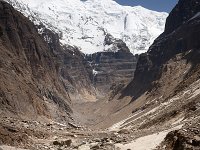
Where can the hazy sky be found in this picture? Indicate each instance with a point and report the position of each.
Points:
(157, 5)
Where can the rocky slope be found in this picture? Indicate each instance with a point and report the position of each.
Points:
(40, 83)
(52, 78)
(38, 79)
(165, 90)
(179, 42)
(86, 23)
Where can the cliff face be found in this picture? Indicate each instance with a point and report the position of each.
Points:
(36, 77)
(182, 12)
(112, 68)
(179, 42)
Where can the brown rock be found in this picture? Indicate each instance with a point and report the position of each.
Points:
(63, 143)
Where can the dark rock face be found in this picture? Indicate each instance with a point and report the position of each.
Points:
(72, 67)
(181, 36)
(115, 44)
(182, 139)
(39, 77)
(183, 11)
(112, 68)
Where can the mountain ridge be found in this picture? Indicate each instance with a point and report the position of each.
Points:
(88, 27)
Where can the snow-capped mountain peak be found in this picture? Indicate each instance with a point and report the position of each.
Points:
(85, 23)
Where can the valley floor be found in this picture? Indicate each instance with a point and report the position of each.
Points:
(171, 124)
(35, 135)
(125, 135)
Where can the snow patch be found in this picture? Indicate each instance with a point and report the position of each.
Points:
(145, 143)
(178, 121)
(94, 72)
(84, 147)
(148, 142)
(195, 16)
(120, 124)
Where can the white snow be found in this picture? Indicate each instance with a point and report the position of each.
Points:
(85, 23)
(60, 124)
(120, 124)
(84, 147)
(191, 92)
(117, 126)
(178, 121)
(195, 16)
(196, 92)
(148, 142)
(94, 72)
(145, 143)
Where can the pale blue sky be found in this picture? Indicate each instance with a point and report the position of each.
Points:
(157, 5)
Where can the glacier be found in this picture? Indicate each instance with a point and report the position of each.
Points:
(85, 23)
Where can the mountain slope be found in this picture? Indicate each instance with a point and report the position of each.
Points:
(86, 23)
(164, 94)
(181, 37)
(38, 79)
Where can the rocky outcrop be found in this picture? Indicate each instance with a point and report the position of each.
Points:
(114, 45)
(179, 42)
(182, 139)
(182, 12)
(113, 67)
